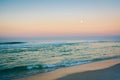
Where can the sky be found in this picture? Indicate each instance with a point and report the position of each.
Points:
(50, 18)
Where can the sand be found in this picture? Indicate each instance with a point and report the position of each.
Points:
(102, 70)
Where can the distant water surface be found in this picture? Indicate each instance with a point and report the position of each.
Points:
(25, 58)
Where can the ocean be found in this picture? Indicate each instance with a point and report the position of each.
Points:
(25, 58)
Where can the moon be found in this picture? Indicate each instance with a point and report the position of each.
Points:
(81, 21)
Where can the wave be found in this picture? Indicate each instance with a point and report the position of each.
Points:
(106, 58)
(24, 71)
(42, 66)
(64, 63)
(20, 68)
(12, 42)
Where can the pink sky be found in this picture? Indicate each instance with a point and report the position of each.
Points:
(66, 19)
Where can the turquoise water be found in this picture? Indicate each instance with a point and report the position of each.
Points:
(25, 58)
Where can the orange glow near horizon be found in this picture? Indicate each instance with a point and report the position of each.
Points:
(66, 21)
(62, 27)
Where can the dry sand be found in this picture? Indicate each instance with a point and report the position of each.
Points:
(102, 70)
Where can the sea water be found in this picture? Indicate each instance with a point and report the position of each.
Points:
(25, 58)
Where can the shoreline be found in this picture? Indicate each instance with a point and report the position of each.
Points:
(60, 74)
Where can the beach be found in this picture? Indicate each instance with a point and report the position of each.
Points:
(101, 70)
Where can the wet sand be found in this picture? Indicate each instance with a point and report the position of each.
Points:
(101, 70)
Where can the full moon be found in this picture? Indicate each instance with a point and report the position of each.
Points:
(81, 21)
